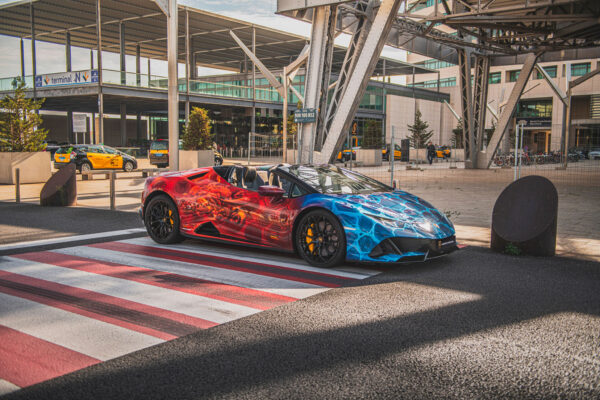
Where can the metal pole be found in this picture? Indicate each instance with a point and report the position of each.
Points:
(138, 67)
(567, 120)
(285, 113)
(100, 95)
(17, 185)
(173, 94)
(187, 67)
(516, 144)
(392, 156)
(122, 65)
(253, 120)
(22, 60)
(112, 190)
(521, 149)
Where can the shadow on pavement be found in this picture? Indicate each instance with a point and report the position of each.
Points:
(474, 324)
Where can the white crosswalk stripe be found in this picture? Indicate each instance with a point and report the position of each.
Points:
(92, 303)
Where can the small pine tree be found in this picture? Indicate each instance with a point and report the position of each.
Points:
(197, 135)
(19, 122)
(457, 134)
(419, 134)
(372, 138)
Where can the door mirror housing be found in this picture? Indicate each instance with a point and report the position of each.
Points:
(272, 191)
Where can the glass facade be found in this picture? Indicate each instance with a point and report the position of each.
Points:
(513, 75)
(495, 77)
(446, 82)
(550, 70)
(435, 64)
(534, 108)
(580, 69)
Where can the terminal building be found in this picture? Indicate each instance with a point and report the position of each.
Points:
(539, 106)
(132, 100)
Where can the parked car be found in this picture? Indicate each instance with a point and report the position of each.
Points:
(385, 152)
(93, 156)
(594, 154)
(159, 154)
(324, 213)
(443, 152)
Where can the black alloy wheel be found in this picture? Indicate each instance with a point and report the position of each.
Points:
(320, 239)
(85, 167)
(162, 220)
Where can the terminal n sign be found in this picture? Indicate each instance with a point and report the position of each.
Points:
(302, 115)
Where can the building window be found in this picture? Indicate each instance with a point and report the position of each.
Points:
(446, 82)
(435, 64)
(550, 70)
(580, 69)
(495, 77)
(534, 108)
(513, 75)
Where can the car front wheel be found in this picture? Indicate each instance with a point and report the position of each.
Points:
(128, 166)
(162, 220)
(320, 239)
(85, 167)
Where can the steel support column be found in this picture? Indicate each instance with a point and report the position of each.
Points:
(68, 51)
(253, 118)
(511, 104)
(138, 67)
(123, 124)
(284, 79)
(314, 79)
(173, 92)
(99, 55)
(480, 92)
(33, 57)
(359, 78)
(187, 66)
(328, 58)
(464, 69)
(22, 60)
(122, 66)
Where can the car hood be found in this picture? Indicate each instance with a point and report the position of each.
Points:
(401, 212)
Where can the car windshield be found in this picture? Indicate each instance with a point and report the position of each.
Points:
(159, 145)
(328, 179)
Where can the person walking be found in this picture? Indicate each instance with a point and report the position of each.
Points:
(430, 152)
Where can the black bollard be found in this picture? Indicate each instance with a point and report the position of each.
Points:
(525, 217)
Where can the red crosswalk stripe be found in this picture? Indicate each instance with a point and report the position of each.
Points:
(214, 290)
(292, 274)
(142, 318)
(26, 360)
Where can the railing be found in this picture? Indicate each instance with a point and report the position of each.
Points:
(7, 84)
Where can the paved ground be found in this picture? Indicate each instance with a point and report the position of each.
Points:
(472, 325)
(475, 324)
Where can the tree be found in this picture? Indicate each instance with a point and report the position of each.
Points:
(197, 135)
(292, 130)
(19, 122)
(457, 136)
(419, 134)
(372, 137)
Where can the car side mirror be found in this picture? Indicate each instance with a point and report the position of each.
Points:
(272, 191)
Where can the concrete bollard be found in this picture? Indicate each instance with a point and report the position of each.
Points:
(112, 190)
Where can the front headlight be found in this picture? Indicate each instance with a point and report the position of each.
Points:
(383, 219)
(426, 226)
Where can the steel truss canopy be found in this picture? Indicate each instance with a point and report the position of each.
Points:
(504, 29)
(145, 25)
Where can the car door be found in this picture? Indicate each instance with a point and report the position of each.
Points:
(95, 155)
(113, 158)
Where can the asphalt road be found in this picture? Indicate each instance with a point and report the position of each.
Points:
(472, 325)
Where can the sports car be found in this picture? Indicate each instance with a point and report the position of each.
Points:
(324, 213)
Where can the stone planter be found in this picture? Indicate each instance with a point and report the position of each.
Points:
(34, 167)
(369, 157)
(190, 159)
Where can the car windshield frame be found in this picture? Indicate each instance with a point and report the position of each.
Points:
(329, 179)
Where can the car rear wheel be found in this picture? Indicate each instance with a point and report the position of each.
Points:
(85, 167)
(162, 220)
(128, 166)
(320, 239)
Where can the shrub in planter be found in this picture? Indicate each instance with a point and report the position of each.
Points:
(197, 141)
(20, 136)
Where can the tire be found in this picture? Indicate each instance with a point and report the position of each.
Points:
(218, 161)
(128, 166)
(162, 220)
(320, 239)
(85, 167)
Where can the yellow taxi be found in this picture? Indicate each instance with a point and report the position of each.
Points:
(93, 156)
(385, 152)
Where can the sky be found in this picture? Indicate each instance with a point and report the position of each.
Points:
(260, 12)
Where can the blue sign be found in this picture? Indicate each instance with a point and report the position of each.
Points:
(302, 115)
(67, 78)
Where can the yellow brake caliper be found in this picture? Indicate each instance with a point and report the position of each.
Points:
(171, 217)
(309, 240)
